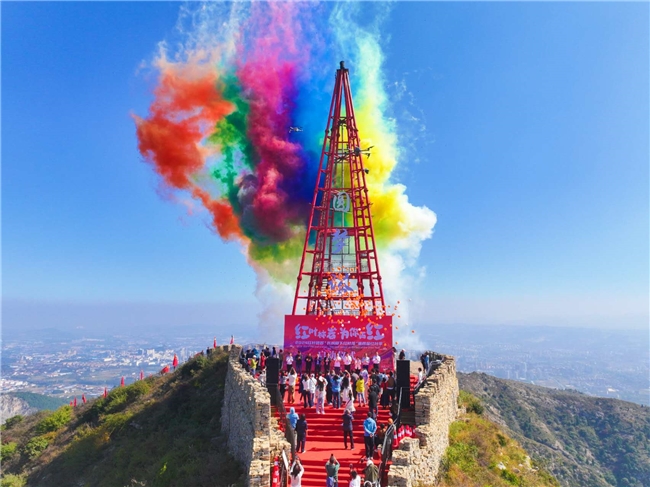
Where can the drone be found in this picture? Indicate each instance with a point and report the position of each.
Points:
(295, 129)
(358, 151)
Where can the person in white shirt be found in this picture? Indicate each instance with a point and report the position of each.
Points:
(312, 390)
(355, 478)
(365, 362)
(357, 365)
(347, 361)
(337, 364)
(291, 383)
(320, 395)
(289, 361)
(420, 376)
(296, 473)
(376, 360)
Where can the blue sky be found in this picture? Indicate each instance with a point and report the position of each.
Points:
(534, 157)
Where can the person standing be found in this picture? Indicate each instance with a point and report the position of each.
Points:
(291, 383)
(336, 391)
(304, 390)
(301, 433)
(289, 361)
(327, 363)
(369, 430)
(318, 364)
(282, 382)
(296, 473)
(308, 362)
(293, 417)
(348, 427)
(298, 360)
(337, 364)
(376, 361)
(365, 362)
(373, 399)
(332, 470)
(357, 365)
(390, 386)
(347, 362)
(312, 390)
(361, 391)
(320, 395)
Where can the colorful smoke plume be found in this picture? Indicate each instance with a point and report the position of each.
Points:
(218, 127)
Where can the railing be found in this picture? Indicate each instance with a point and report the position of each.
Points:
(289, 433)
(387, 446)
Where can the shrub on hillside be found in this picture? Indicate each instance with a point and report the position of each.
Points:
(7, 451)
(191, 367)
(35, 447)
(11, 480)
(117, 400)
(472, 403)
(54, 421)
(11, 422)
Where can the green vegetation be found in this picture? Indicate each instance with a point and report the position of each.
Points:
(40, 401)
(585, 441)
(7, 451)
(479, 454)
(11, 480)
(472, 404)
(54, 421)
(35, 446)
(162, 431)
(11, 422)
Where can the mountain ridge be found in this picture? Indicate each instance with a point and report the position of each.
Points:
(582, 440)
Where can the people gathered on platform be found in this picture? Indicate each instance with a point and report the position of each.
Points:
(339, 380)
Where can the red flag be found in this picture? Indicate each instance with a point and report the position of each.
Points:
(232, 339)
(83, 398)
(74, 403)
(214, 345)
(122, 382)
(175, 362)
(105, 393)
(141, 375)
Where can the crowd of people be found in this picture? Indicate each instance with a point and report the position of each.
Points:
(343, 391)
(337, 380)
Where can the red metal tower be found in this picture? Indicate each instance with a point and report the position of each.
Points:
(340, 249)
(339, 282)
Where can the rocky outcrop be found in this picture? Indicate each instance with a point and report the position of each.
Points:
(12, 405)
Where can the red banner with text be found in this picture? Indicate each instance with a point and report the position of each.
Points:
(332, 334)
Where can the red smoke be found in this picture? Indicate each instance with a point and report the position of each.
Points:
(184, 111)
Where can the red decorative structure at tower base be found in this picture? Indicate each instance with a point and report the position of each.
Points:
(339, 302)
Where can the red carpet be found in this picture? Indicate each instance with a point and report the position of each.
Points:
(325, 436)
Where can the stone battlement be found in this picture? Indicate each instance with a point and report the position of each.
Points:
(418, 459)
(253, 436)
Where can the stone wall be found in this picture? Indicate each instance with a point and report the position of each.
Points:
(253, 436)
(417, 461)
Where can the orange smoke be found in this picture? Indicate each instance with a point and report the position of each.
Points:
(184, 111)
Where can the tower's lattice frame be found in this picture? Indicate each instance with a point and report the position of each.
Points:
(339, 270)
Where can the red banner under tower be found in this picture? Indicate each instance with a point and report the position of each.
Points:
(339, 301)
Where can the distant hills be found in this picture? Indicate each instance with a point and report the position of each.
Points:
(582, 440)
